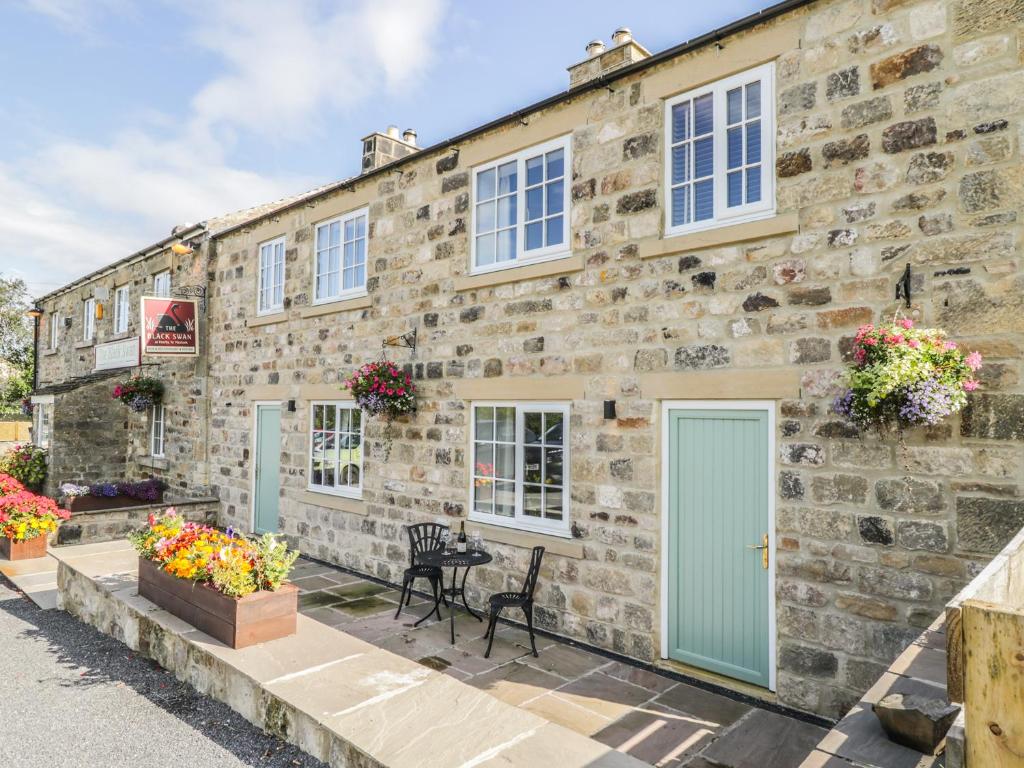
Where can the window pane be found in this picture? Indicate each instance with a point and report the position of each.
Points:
(681, 205)
(328, 467)
(553, 503)
(506, 178)
(556, 197)
(321, 238)
(505, 420)
(753, 100)
(318, 472)
(553, 466)
(533, 427)
(507, 211)
(534, 235)
(485, 184)
(484, 463)
(680, 122)
(344, 419)
(735, 189)
(754, 142)
(753, 184)
(485, 217)
(505, 498)
(704, 200)
(533, 500)
(360, 276)
(506, 245)
(335, 233)
(361, 226)
(556, 164)
(681, 164)
(318, 417)
(483, 496)
(330, 416)
(533, 464)
(704, 160)
(350, 230)
(485, 249)
(505, 461)
(350, 254)
(534, 171)
(534, 203)
(734, 106)
(553, 428)
(484, 423)
(554, 225)
(703, 115)
(735, 147)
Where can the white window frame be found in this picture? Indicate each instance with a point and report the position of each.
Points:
(54, 329)
(42, 420)
(89, 319)
(520, 522)
(122, 303)
(157, 430)
(725, 216)
(276, 280)
(164, 276)
(347, 491)
(522, 256)
(343, 293)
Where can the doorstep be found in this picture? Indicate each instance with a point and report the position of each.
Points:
(337, 697)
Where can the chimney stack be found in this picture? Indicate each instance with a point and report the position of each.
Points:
(601, 60)
(383, 148)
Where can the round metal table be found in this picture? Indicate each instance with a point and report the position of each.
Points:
(442, 559)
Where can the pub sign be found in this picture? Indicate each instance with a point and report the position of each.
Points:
(169, 326)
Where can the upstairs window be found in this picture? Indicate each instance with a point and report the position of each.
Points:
(271, 277)
(54, 329)
(336, 449)
(520, 475)
(162, 284)
(341, 257)
(89, 319)
(520, 207)
(121, 305)
(720, 153)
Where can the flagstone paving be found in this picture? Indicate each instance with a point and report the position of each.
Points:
(651, 717)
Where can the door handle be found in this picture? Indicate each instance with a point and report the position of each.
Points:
(763, 546)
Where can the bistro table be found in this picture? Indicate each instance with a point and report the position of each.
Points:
(442, 559)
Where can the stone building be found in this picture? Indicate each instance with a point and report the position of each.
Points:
(633, 303)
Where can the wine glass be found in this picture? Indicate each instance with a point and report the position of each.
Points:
(446, 537)
(476, 542)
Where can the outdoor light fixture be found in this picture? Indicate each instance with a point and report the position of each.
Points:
(182, 249)
(34, 312)
(609, 409)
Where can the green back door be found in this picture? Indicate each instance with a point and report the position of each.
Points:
(268, 466)
(718, 507)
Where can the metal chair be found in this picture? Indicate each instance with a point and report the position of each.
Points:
(423, 537)
(522, 599)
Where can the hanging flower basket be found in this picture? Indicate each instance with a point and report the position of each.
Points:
(904, 377)
(139, 393)
(383, 390)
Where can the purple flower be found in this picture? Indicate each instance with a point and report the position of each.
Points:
(843, 405)
(926, 402)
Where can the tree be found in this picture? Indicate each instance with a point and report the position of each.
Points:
(17, 357)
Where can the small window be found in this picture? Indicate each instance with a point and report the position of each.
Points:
(89, 319)
(340, 262)
(520, 473)
(162, 284)
(156, 431)
(271, 277)
(43, 423)
(719, 149)
(121, 306)
(336, 448)
(54, 329)
(520, 207)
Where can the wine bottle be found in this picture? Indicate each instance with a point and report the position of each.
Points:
(460, 544)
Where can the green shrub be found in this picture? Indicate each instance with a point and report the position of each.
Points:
(27, 464)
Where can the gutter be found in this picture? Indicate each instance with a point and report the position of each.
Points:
(601, 81)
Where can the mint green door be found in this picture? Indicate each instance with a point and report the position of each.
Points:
(268, 468)
(718, 585)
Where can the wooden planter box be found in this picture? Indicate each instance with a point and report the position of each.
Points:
(236, 622)
(23, 550)
(93, 503)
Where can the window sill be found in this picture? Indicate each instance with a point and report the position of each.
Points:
(553, 543)
(119, 336)
(153, 462)
(85, 344)
(342, 305)
(50, 352)
(332, 501)
(268, 319)
(780, 224)
(548, 268)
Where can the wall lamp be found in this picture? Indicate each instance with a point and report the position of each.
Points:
(34, 312)
(183, 248)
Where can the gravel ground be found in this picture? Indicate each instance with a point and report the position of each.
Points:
(70, 697)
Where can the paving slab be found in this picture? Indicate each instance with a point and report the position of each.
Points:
(658, 735)
(583, 721)
(704, 705)
(762, 733)
(516, 683)
(604, 695)
(37, 578)
(548, 742)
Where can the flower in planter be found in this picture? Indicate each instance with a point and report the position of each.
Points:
(9, 485)
(27, 464)
(25, 515)
(382, 389)
(73, 491)
(108, 490)
(139, 393)
(904, 376)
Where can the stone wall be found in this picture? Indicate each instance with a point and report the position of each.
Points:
(113, 524)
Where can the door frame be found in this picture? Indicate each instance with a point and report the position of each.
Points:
(769, 407)
(254, 452)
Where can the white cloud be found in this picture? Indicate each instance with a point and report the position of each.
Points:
(79, 17)
(288, 70)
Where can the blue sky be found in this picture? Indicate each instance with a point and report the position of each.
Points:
(120, 119)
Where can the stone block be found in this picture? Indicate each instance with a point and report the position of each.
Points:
(986, 525)
(913, 61)
(915, 721)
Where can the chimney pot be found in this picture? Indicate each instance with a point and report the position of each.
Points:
(393, 131)
(595, 48)
(409, 136)
(621, 36)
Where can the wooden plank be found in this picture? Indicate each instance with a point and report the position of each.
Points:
(993, 685)
(954, 654)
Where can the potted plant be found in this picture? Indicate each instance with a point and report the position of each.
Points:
(26, 463)
(383, 390)
(139, 393)
(26, 519)
(223, 584)
(904, 377)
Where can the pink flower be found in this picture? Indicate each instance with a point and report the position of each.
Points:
(973, 361)
(401, 391)
(970, 385)
(860, 354)
(913, 343)
(391, 391)
(907, 323)
(948, 346)
(871, 341)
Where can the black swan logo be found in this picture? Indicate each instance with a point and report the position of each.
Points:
(169, 322)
